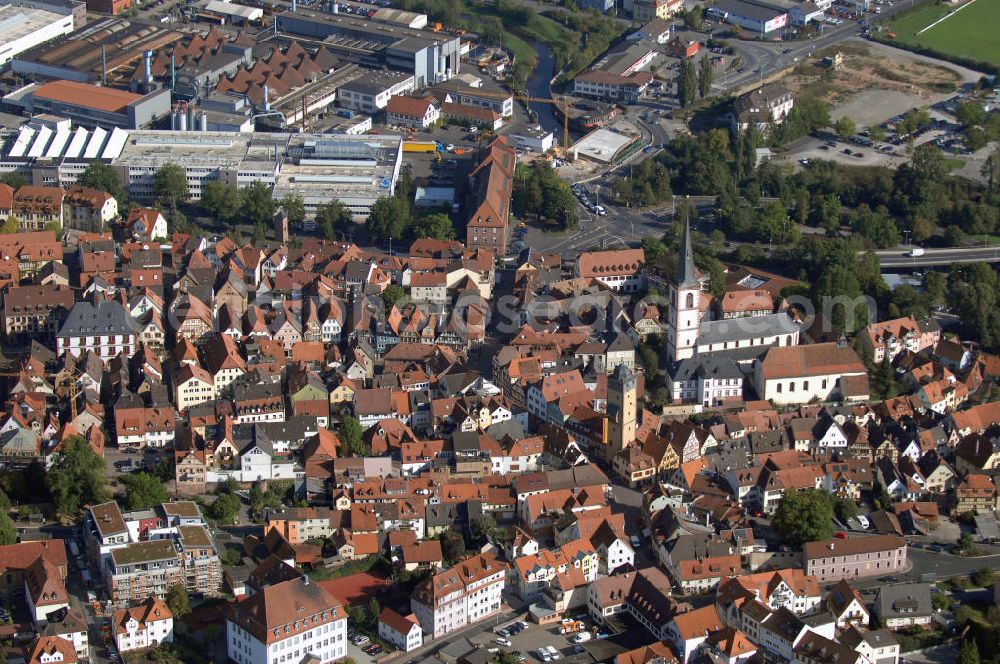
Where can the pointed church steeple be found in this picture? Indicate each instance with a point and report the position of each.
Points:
(687, 275)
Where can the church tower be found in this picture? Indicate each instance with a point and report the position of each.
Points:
(622, 409)
(685, 296)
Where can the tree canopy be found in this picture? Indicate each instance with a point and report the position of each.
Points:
(804, 515)
(176, 600)
(539, 191)
(352, 436)
(437, 226)
(143, 490)
(103, 177)
(77, 479)
(257, 206)
(334, 219)
(170, 184)
(390, 217)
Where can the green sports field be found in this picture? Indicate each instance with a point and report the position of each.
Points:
(971, 33)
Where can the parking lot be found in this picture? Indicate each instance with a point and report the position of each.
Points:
(528, 641)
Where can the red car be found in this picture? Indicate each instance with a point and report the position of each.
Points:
(840, 534)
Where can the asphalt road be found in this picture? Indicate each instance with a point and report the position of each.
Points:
(895, 258)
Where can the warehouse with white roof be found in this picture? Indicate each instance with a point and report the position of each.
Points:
(23, 28)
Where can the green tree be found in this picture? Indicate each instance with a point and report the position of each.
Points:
(374, 609)
(77, 478)
(390, 217)
(971, 114)
(225, 508)
(176, 600)
(935, 286)
(352, 436)
(8, 533)
(705, 76)
(968, 653)
(170, 185)
(693, 18)
(14, 180)
(259, 233)
(437, 226)
(334, 218)
(230, 557)
(975, 138)
(941, 602)
(257, 205)
(143, 490)
(10, 225)
(452, 545)
(256, 498)
(983, 577)
(876, 133)
(220, 200)
(55, 228)
(294, 206)
(103, 177)
(483, 527)
(392, 294)
(845, 127)
(654, 249)
(804, 516)
(687, 84)
(845, 508)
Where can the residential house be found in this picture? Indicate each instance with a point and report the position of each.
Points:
(144, 625)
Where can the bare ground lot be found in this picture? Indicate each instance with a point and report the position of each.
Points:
(875, 81)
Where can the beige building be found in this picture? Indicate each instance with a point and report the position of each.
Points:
(799, 374)
(859, 557)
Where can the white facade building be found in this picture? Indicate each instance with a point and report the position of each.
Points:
(144, 626)
(284, 623)
(461, 595)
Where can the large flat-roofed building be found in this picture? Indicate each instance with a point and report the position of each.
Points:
(356, 170)
(430, 56)
(92, 105)
(49, 151)
(25, 27)
(760, 17)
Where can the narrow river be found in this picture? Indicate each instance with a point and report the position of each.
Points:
(538, 86)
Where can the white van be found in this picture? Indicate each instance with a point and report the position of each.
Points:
(917, 251)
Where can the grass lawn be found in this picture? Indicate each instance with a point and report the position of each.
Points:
(971, 33)
(953, 163)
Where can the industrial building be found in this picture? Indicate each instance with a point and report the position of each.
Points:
(430, 56)
(108, 51)
(27, 25)
(371, 92)
(91, 105)
(356, 170)
(760, 17)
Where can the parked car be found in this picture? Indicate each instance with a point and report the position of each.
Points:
(501, 641)
(863, 520)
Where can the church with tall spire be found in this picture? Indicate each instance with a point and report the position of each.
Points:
(684, 319)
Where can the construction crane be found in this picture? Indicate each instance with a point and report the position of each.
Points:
(561, 104)
(71, 384)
